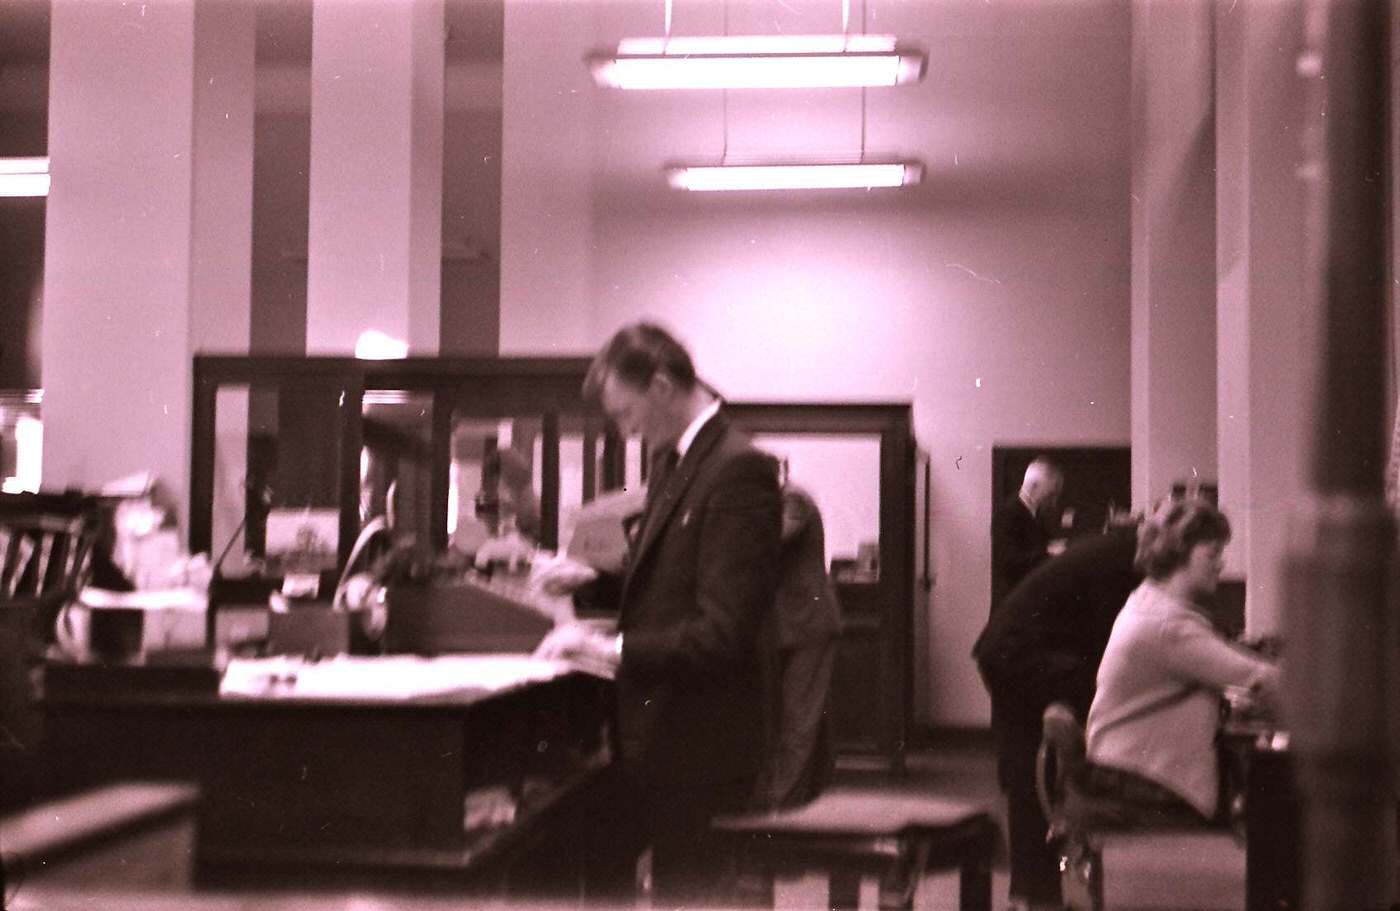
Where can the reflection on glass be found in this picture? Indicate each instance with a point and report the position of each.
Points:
(632, 465)
(571, 459)
(842, 475)
(276, 464)
(21, 442)
(396, 462)
(495, 479)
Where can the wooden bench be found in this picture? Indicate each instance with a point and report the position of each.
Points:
(59, 835)
(891, 833)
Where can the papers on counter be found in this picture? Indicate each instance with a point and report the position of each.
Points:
(394, 678)
(185, 598)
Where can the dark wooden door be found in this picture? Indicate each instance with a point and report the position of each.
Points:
(1097, 479)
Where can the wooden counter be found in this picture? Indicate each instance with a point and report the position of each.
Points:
(337, 788)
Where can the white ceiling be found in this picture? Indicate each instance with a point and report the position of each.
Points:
(1024, 101)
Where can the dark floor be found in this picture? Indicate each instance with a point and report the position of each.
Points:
(1201, 872)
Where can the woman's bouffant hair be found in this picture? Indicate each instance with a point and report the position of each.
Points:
(1165, 538)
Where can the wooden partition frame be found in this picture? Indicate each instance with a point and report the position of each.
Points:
(893, 624)
(551, 387)
(482, 387)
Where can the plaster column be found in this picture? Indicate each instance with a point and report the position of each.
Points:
(547, 222)
(1173, 246)
(221, 232)
(147, 230)
(375, 225)
(1267, 334)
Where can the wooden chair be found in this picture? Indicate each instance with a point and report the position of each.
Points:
(45, 550)
(1080, 821)
(894, 834)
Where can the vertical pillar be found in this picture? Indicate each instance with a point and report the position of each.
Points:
(221, 231)
(1173, 245)
(1267, 328)
(1341, 623)
(375, 224)
(548, 102)
(125, 300)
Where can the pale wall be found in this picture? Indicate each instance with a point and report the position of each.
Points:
(995, 297)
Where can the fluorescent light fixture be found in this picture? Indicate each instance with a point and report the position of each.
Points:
(757, 62)
(810, 176)
(24, 177)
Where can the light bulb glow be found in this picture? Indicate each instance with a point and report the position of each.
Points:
(757, 62)
(756, 44)
(373, 345)
(795, 176)
(28, 176)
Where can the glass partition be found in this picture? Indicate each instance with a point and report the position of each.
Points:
(395, 466)
(291, 456)
(274, 502)
(497, 480)
(842, 475)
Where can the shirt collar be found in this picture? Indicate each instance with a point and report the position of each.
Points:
(691, 432)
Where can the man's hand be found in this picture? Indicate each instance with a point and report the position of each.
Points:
(560, 575)
(579, 642)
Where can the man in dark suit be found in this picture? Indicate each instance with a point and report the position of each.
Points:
(1043, 644)
(1021, 539)
(699, 583)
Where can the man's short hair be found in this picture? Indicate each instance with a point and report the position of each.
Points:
(635, 354)
(1166, 537)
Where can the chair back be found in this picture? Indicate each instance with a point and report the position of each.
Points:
(45, 545)
(1058, 764)
(45, 550)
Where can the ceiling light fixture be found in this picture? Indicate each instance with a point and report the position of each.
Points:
(758, 62)
(24, 176)
(796, 176)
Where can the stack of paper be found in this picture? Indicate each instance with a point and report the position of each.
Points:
(391, 679)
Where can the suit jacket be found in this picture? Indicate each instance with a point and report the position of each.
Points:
(1018, 546)
(808, 611)
(1045, 639)
(700, 582)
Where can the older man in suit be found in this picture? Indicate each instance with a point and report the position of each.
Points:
(701, 578)
(1042, 645)
(1021, 540)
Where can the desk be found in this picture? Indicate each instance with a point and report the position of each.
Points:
(1273, 821)
(331, 790)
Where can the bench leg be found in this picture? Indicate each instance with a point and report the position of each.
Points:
(975, 873)
(843, 890)
(901, 879)
(975, 886)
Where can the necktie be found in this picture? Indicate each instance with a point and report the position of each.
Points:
(662, 465)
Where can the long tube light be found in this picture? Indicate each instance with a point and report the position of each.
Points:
(810, 176)
(24, 177)
(758, 62)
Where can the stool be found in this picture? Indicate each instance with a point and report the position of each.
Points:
(1080, 821)
(894, 834)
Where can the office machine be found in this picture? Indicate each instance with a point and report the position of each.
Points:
(477, 613)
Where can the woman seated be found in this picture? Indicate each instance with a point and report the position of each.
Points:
(1152, 726)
